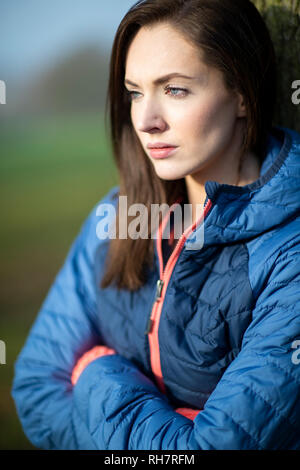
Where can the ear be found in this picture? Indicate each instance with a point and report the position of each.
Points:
(241, 107)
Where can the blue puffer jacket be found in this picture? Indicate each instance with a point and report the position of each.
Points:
(223, 335)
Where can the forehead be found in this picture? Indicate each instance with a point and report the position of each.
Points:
(157, 49)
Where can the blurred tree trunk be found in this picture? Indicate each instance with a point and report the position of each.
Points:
(283, 20)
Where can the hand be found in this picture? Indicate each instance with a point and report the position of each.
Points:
(110, 394)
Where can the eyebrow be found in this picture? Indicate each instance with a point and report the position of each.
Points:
(163, 79)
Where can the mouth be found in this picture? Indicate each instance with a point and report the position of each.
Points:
(162, 152)
(160, 145)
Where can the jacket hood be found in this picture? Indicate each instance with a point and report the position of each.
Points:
(243, 212)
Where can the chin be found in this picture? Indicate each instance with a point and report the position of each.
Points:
(169, 171)
(170, 176)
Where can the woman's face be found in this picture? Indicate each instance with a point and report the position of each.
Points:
(197, 115)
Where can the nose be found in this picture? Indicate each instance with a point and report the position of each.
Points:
(150, 119)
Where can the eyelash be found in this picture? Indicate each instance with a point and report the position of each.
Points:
(167, 88)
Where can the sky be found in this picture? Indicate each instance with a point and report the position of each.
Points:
(34, 33)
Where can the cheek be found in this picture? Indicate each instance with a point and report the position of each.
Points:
(212, 118)
(137, 115)
(196, 119)
(133, 118)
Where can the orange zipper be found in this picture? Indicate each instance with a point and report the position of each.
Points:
(161, 287)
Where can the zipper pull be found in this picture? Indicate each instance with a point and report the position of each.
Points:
(159, 286)
(149, 327)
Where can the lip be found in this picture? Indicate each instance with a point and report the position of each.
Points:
(163, 152)
(160, 145)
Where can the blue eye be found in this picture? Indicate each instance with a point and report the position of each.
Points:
(182, 93)
(131, 93)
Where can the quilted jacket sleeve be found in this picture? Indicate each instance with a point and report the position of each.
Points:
(64, 329)
(256, 404)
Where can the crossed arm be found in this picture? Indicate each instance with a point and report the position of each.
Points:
(112, 405)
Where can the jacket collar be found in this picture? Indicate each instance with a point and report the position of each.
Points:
(242, 212)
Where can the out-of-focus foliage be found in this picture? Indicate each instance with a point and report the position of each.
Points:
(75, 83)
(53, 170)
(283, 20)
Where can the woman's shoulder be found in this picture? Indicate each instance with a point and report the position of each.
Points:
(95, 228)
(275, 253)
(101, 214)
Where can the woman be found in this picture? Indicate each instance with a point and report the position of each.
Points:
(149, 343)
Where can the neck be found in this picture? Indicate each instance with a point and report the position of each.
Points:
(235, 171)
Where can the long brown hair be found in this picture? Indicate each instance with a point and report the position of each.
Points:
(235, 40)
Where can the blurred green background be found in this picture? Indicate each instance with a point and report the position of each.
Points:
(55, 169)
(55, 157)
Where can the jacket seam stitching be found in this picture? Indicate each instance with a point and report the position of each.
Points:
(272, 406)
(285, 371)
(225, 320)
(254, 439)
(198, 299)
(48, 311)
(220, 324)
(277, 255)
(202, 367)
(275, 304)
